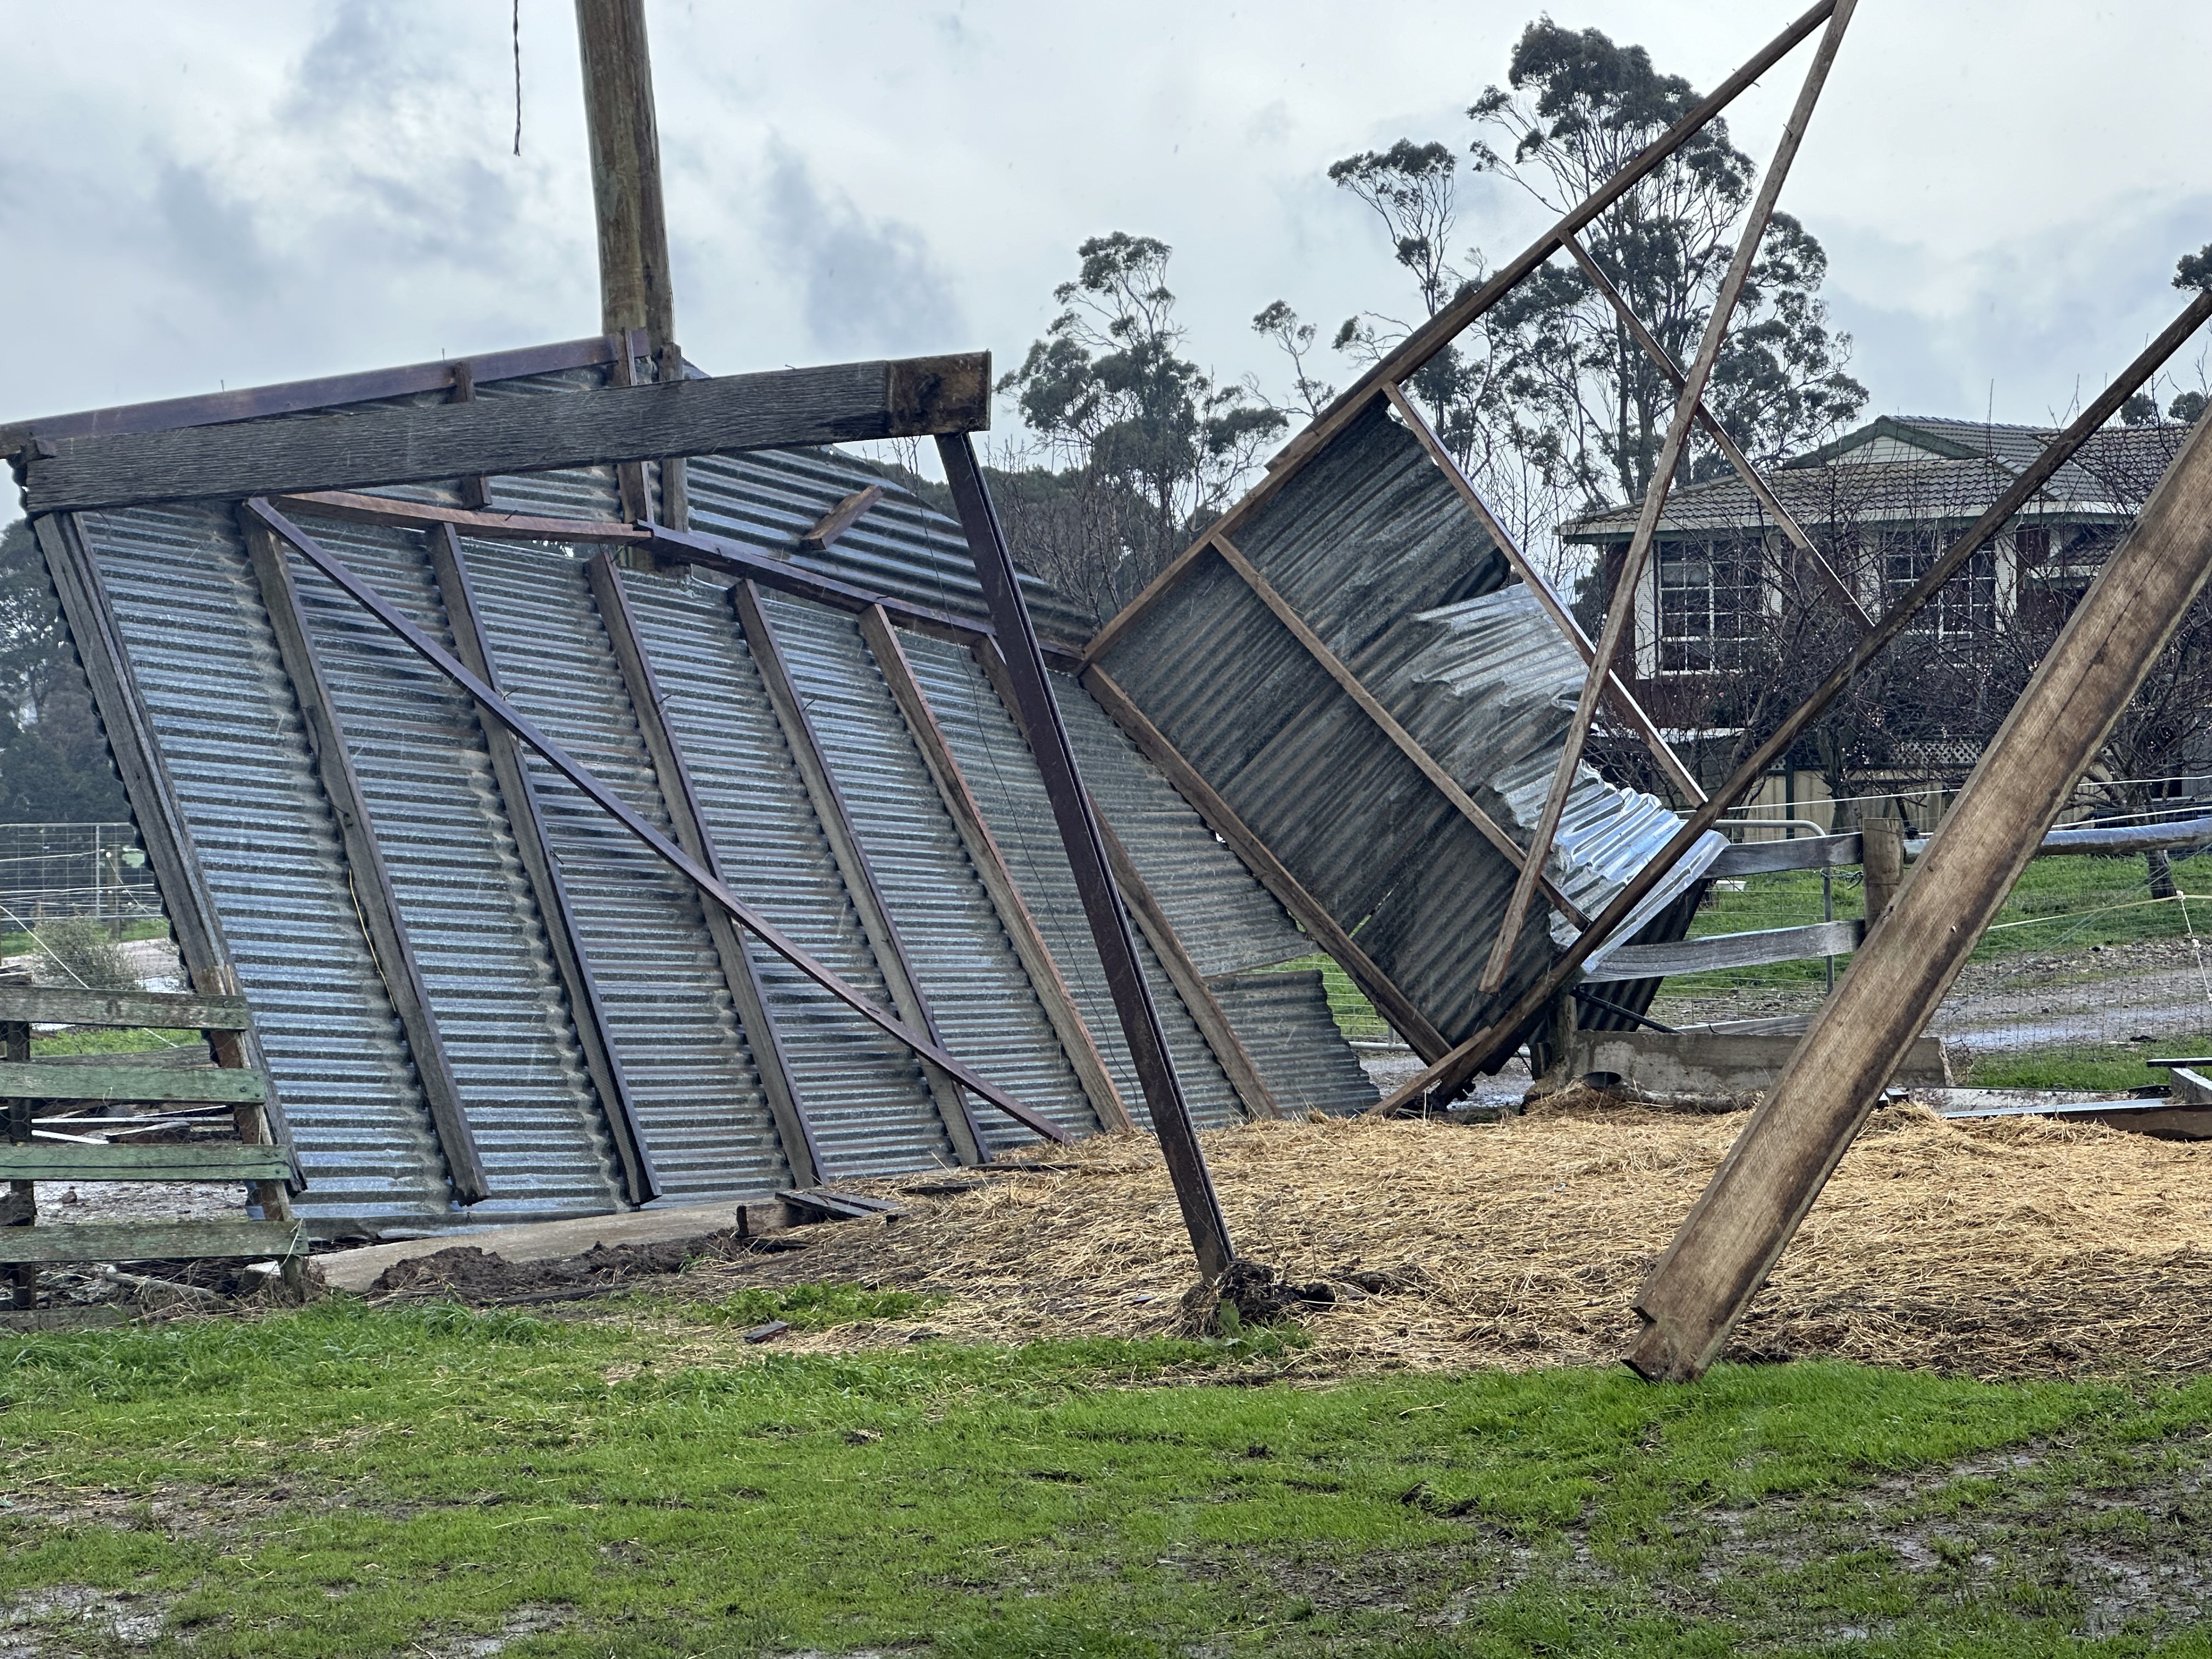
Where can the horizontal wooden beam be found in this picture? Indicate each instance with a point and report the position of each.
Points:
(152, 1241)
(214, 1086)
(469, 521)
(330, 391)
(1715, 950)
(58, 1005)
(1760, 858)
(783, 408)
(216, 1161)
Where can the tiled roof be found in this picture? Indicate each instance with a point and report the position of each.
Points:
(1968, 465)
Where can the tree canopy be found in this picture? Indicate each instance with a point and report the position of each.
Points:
(54, 767)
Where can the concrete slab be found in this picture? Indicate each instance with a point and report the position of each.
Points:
(548, 1241)
(1701, 1065)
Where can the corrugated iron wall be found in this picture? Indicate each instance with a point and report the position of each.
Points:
(225, 719)
(1374, 549)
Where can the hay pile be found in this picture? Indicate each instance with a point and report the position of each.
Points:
(2011, 1248)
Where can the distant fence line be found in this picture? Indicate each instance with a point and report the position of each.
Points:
(49, 871)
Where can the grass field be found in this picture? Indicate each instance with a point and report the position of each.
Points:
(345, 1481)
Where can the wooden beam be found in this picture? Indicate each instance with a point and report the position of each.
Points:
(681, 801)
(154, 1241)
(1792, 531)
(253, 1122)
(490, 702)
(785, 408)
(635, 288)
(630, 488)
(210, 1086)
(483, 527)
(378, 907)
(974, 830)
(67, 1005)
(1393, 1005)
(1883, 840)
(475, 490)
(208, 1161)
(1619, 613)
(1406, 360)
(840, 519)
(851, 860)
(1624, 702)
(1717, 950)
(1151, 918)
(534, 848)
(19, 1204)
(305, 397)
(1348, 683)
(1776, 1169)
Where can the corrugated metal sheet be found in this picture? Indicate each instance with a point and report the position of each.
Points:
(863, 1093)
(1006, 784)
(1375, 550)
(487, 968)
(230, 735)
(689, 1065)
(1282, 1020)
(983, 1002)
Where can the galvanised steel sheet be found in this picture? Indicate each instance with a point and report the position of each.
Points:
(1374, 549)
(487, 968)
(983, 1002)
(1282, 1018)
(232, 741)
(688, 1063)
(1005, 780)
(863, 1093)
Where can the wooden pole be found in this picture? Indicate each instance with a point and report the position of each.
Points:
(1776, 1168)
(635, 289)
(1882, 850)
(1654, 498)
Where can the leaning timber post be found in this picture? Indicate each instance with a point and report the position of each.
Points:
(1086, 857)
(248, 1119)
(1776, 1168)
(634, 290)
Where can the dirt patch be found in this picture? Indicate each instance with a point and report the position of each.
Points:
(79, 1618)
(2008, 1248)
(466, 1273)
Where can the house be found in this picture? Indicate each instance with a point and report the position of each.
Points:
(1882, 503)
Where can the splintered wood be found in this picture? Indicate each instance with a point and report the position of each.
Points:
(2020, 1248)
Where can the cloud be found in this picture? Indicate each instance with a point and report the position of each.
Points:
(864, 284)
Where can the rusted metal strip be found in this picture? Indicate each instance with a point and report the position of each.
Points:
(1087, 859)
(1622, 608)
(851, 860)
(1440, 330)
(1445, 1078)
(967, 815)
(1393, 1005)
(1429, 766)
(491, 702)
(1791, 530)
(372, 896)
(543, 869)
(1151, 918)
(1624, 700)
(1779, 1164)
(681, 800)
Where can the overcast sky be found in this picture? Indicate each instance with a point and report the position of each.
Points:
(203, 194)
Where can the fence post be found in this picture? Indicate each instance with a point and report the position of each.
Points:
(1883, 853)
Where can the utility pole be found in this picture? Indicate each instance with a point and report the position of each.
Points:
(634, 290)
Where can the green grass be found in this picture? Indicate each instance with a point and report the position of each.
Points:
(2107, 1066)
(344, 1481)
(15, 942)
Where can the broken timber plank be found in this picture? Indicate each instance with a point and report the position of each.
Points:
(209, 1085)
(483, 525)
(67, 1005)
(210, 1162)
(785, 408)
(967, 816)
(1776, 1169)
(840, 519)
(152, 1241)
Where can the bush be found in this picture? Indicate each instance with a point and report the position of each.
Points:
(80, 950)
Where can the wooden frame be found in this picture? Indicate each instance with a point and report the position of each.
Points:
(839, 519)
(1622, 608)
(851, 860)
(681, 801)
(373, 900)
(974, 830)
(519, 795)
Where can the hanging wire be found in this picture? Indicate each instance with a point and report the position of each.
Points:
(517, 77)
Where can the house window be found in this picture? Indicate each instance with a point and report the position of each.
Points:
(1965, 608)
(1711, 600)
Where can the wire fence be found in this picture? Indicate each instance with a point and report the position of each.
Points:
(49, 872)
